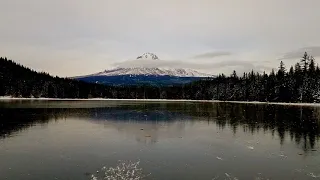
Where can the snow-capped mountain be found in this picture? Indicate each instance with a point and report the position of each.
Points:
(148, 55)
(153, 75)
(152, 71)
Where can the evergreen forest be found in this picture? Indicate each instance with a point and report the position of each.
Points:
(298, 83)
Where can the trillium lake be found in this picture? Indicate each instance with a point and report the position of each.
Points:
(82, 140)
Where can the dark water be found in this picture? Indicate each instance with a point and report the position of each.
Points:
(71, 140)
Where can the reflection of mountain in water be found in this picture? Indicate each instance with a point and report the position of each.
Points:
(144, 124)
(137, 115)
(300, 124)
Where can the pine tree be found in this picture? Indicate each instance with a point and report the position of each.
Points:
(291, 71)
(272, 73)
(234, 74)
(312, 67)
(282, 67)
(317, 70)
(304, 62)
(297, 69)
(282, 70)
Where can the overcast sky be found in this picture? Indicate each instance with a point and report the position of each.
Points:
(77, 37)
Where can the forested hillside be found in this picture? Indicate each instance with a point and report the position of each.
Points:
(19, 81)
(301, 83)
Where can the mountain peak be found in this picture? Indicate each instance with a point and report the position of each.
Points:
(148, 55)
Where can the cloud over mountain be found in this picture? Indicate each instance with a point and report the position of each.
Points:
(212, 54)
(44, 34)
(296, 54)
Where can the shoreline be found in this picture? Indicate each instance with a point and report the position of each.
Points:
(161, 100)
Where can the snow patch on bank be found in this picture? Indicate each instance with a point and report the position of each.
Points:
(8, 98)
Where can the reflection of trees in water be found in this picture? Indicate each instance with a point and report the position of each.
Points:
(16, 120)
(301, 124)
(13, 121)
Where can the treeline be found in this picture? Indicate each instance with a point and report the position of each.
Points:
(19, 81)
(300, 83)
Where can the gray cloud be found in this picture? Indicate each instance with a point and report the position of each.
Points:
(212, 55)
(297, 54)
(180, 64)
(71, 37)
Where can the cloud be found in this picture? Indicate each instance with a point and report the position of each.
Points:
(212, 55)
(71, 37)
(297, 54)
(175, 64)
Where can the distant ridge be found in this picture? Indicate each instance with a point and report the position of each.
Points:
(145, 75)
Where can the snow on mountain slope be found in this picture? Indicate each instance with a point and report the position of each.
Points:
(152, 71)
(149, 71)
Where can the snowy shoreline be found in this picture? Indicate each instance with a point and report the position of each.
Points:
(7, 98)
